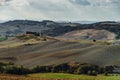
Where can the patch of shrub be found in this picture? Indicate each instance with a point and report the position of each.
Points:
(93, 70)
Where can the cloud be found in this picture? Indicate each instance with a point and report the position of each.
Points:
(3, 2)
(60, 9)
(80, 2)
(104, 2)
(116, 2)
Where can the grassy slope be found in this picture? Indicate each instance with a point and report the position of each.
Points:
(82, 77)
(56, 76)
(57, 52)
(89, 34)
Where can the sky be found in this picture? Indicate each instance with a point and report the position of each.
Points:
(60, 10)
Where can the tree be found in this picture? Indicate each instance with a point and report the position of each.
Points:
(1, 69)
(60, 68)
(94, 73)
(20, 70)
(106, 73)
(109, 69)
(78, 71)
(89, 73)
(10, 63)
(94, 40)
(36, 69)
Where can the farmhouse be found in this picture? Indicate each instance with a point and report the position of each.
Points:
(33, 33)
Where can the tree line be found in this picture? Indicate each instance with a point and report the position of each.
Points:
(10, 68)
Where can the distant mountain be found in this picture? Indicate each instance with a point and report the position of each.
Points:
(85, 22)
(80, 22)
(51, 28)
(21, 26)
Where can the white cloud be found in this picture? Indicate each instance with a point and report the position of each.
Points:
(60, 9)
(4, 17)
(2, 2)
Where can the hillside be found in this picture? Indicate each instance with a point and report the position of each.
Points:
(89, 34)
(30, 50)
(51, 28)
(57, 52)
(16, 27)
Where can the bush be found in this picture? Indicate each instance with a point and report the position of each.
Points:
(94, 73)
(93, 70)
(109, 69)
(20, 70)
(89, 72)
(61, 68)
(42, 69)
(106, 73)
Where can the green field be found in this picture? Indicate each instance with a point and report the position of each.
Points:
(82, 77)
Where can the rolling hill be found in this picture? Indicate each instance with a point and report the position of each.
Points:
(58, 52)
(89, 34)
(51, 28)
(30, 50)
(17, 27)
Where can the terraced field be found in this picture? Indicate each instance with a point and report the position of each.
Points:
(57, 52)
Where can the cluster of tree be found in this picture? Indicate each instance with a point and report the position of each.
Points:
(88, 69)
(10, 68)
